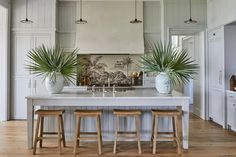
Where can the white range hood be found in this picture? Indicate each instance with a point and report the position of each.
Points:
(109, 30)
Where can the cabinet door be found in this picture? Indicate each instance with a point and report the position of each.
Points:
(231, 110)
(21, 44)
(21, 88)
(216, 59)
(217, 106)
(43, 39)
(38, 86)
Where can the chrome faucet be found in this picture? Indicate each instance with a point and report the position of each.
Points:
(93, 89)
(114, 89)
(103, 89)
(108, 82)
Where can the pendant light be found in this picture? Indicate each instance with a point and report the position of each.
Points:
(190, 20)
(26, 20)
(80, 21)
(135, 19)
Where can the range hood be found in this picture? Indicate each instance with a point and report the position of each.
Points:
(109, 30)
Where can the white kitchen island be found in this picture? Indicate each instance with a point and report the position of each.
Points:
(147, 98)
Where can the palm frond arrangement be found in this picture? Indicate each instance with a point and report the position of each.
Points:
(47, 62)
(175, 62)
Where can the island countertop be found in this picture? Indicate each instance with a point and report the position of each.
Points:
(142, 93)
(141, 98)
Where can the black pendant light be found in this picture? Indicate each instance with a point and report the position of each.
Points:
(80, 21)
(190, 20)
(135, 19)
(26, 20)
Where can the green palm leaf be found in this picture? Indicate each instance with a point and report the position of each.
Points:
(49, 61)
(175, 62)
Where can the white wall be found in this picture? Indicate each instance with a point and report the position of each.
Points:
(4, 60)
(177, 11)
(109, 29)
(5, 3)
(220, 12)
(199, 80)
(41, 12)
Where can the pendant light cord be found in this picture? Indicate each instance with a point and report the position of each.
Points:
(80, 9)
(26, 12)
(190, 9)
(135, 9)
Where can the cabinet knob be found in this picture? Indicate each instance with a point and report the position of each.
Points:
(233, 104)
(214, 34)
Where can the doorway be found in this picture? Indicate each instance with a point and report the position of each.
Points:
(195, 89)
(4, 60)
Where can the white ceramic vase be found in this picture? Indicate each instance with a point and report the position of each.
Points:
(163, 83)
(54, 85)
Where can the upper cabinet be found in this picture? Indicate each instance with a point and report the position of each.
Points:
(66, 27)
(151, 23)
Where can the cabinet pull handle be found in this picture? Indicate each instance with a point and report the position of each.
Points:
(231, 96)
(29, 85)
(220, 77)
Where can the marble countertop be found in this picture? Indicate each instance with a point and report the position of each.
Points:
(143, 93)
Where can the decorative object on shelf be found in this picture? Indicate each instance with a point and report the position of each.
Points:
(127, 61)
(190, 20)
(26, 20)
(173, 66)
(54, 65)
(81, 21)
(135, 21)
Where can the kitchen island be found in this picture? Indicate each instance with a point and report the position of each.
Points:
(142, 98)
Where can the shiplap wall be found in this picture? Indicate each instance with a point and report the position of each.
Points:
(220, 12)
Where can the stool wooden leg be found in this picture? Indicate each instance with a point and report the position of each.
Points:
(59, 133)
(63, 132)
(176, 135)
(155, 134)
(98, 135)
(100, 127)
(137, 119)
(116, 134)
(41, 131)
(36, 135)
(77, 132)
(152, 131)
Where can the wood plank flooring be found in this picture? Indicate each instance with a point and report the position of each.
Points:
(206, 140)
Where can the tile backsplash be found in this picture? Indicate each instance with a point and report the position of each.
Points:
(121, 70)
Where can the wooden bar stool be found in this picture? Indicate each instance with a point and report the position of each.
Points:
(88, 113)
(40, 124)
(165, 113)
(127, 113)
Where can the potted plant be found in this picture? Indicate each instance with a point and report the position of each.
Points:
(54, 66)
(171, 64)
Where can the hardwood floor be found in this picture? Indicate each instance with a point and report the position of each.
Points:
(206, 140)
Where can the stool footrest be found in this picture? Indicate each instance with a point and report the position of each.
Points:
(86, 138)
(41, 138)
(127, 132)
(51, 133)
(88, 133)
